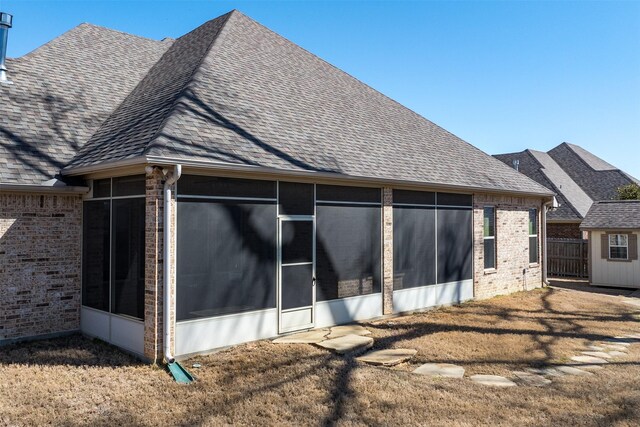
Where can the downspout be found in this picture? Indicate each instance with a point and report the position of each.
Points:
(546, 207)
(172, 178)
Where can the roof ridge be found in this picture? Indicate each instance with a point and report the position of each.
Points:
(83, 24)
(196, 68)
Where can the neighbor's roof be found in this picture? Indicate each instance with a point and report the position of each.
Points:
(233, 93)
(578, 176)
(613, 214)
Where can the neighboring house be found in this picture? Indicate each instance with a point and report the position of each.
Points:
(576, 176)
(176, 196)
(613, 228)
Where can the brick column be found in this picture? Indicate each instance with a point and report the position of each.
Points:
(153, 267)
(387, 250)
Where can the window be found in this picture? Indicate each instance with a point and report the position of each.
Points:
(348, 242)
(114, 246)
(489, 236)
(533, 236)
(618, 246)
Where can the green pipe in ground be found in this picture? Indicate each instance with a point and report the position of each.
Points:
(179, 373)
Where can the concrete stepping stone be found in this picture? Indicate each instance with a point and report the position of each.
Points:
(547, 371)
(589, 360)
(347, 344)
(570, 370)
(616, 342)
(616, 353)
(633, 336)
(341, 331)
(530, 379)
(493, 380)
(590, 367)
(610, 347)
(595, 348)
(600, 354)
(446, 370)
(309, 337)
(389, 357)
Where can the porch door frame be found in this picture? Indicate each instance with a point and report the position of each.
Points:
(293, 319)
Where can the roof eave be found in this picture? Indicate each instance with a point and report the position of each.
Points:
(36, 188)
(157, 160)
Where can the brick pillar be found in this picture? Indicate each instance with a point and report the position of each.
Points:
(387, 250)
(153, 267)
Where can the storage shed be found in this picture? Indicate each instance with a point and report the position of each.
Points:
(613, 227)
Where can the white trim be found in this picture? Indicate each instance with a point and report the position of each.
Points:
(411, 299)
(121, 331)
(215, 332)
(347, 310)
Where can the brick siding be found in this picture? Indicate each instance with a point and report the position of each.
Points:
(40, 247)
(512, 246)
(387, 255)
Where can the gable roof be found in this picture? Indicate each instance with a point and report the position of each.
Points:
(613, 214)
(232, 93)
(60, 95)
(576, 175)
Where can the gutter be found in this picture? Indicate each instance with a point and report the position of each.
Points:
(212, 165)
(171, 178)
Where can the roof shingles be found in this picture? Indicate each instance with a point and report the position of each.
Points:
(613, 214)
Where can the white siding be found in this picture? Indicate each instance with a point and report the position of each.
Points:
(612, 273)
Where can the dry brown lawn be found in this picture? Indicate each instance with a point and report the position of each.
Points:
(76, 381)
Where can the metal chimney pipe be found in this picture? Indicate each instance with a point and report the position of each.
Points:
(6, 22)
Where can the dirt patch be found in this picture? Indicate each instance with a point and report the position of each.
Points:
(76, 381)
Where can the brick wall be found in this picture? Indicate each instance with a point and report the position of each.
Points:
(153, 268)
(564, 231)
(40, 247)
(512, 246)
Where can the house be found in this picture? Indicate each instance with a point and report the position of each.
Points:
(578, 178)
(613, 227)
(172, 197)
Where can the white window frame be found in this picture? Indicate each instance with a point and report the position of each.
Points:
(619, 238)
(537, 261)
(495, 231)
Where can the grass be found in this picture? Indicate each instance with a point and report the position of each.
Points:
(76, 381)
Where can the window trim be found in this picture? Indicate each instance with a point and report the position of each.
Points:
(536, 235)
(492, 237)
(610, 246)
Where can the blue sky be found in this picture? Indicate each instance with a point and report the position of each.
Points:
(504, 76)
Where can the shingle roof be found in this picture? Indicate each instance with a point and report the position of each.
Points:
(233, 92)
(578, 176)
(613, 214)
(563, 183)
(591, 173)
(60, 95)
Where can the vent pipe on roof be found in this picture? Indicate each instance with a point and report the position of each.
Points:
(516, 164)
(6, 21)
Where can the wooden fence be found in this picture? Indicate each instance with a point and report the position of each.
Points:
(568, 258)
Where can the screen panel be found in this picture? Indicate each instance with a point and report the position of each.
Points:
(297, 241)
(226, 260)
(295, 198)
(455, 244)
(133, 185)
(95, 254)
(340, 193)
(128, 257)
(414, 247)
(297, 286)
(454, 199)
(198, 185)
(414, 197)
(348, 250)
